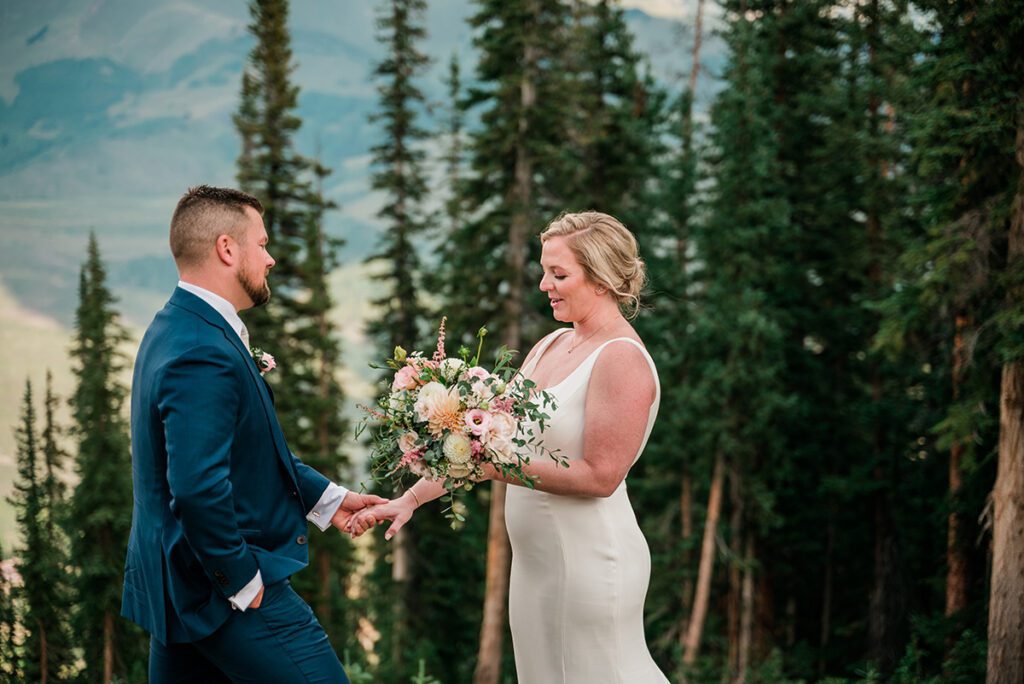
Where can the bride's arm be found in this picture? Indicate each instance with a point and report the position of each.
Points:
(398, 510)
(618, 404)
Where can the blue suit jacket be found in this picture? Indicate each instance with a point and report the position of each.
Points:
(217, 493)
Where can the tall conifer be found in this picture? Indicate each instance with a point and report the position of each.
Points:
(518, 179)
(100, 506)
(398, 163)
(295, 325)
(398, 173)
(10, 670)
(46, 648)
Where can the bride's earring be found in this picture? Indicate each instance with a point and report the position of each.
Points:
(600, 291)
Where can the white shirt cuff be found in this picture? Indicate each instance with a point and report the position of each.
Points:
(245, 596)
(327, 506)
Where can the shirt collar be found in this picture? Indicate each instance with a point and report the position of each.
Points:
(219, 304)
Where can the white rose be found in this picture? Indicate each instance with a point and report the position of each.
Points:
(451, 368)
(396, 400)
(457, 448)
(459, 471)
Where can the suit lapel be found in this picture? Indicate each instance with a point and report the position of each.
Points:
(196, 305)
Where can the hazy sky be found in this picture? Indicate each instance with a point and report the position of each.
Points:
(663, 8)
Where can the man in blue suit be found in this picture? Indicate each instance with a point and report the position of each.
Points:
(221, 504)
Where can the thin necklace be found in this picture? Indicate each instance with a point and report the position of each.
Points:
(575, 345)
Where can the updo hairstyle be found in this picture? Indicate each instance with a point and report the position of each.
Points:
(608, 253)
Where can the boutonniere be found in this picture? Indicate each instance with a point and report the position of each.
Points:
(264, 361)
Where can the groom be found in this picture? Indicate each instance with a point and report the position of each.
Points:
(221, 504)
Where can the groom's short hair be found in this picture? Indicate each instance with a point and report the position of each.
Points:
(203, 213)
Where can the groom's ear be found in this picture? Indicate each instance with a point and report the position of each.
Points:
(227, 250)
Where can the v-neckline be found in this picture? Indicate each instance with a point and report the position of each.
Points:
(574, 370)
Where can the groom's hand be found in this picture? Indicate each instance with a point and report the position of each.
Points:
(259, 598)
(350, 505)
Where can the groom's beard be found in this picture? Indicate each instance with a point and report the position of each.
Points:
(258, 290)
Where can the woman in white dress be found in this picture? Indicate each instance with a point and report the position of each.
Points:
(580, 564)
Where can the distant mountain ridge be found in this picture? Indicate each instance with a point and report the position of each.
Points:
(110, 108)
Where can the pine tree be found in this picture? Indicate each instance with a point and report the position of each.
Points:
(967, 263)
(619, 118)
(46, 649)
(398, 173)
(740, 333)
(54, 461)
(10, 670)
(518, 180)
(455, 151)
(518, 177)
(100, 506)
(951, 289)
(665, 479)
(295, 325)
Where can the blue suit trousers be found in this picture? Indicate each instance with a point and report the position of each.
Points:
(281, 642)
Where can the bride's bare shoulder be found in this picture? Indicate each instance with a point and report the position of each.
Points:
(540, 344)
(620, 359)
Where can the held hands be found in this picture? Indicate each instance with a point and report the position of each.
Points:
(350, 505)
(399, 511)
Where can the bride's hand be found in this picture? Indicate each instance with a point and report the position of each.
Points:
(398, 511)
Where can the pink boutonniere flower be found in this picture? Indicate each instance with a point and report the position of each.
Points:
(264, 361)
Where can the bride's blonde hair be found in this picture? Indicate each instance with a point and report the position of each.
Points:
(608, 253)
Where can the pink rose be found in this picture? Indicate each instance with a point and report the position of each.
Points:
(405, 379)
(477, 373)
(478, 421)
(407, 442)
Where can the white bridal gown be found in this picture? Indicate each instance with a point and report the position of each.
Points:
(580, 565)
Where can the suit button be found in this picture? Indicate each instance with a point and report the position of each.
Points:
(301, 539)
(222, 579)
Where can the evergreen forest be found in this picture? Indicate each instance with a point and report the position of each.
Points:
(834, 488)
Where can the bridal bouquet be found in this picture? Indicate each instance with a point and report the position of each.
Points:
(445, 417)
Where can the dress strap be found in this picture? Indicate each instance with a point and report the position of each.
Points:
(647, 355)
(543, 347)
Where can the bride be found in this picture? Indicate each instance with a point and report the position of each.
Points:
(580, 564)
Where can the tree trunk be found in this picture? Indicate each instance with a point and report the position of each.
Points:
(499, 555)
(400, 574)
(44, 666)
(686, 496)
(108, 647)
(695, 628)
(746, 613)
(764, 613)
(1006, 609)
(956, 553)
(698, 24)
(886, 600)
(826, 592)
(735, 601)
(686, 513)
(885, 603)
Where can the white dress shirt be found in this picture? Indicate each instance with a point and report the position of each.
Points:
(332, 497)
